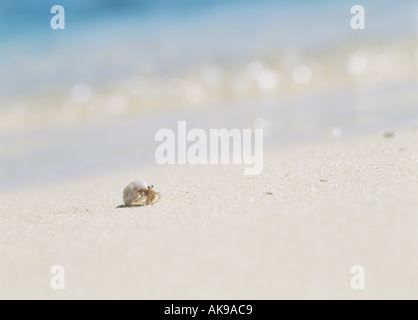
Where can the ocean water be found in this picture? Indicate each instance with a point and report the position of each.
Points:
(130, 56)
(89, 99)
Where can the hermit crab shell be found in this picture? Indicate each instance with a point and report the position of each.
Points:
(130, 193)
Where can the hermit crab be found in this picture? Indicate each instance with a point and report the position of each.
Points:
(138, 193)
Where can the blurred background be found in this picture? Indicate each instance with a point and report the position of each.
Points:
(89, 99)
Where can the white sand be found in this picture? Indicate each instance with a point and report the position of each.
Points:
(217, 234)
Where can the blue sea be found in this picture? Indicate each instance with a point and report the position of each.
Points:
(88, 99)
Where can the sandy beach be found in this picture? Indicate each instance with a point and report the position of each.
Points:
(295, 231)
(91, 92)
